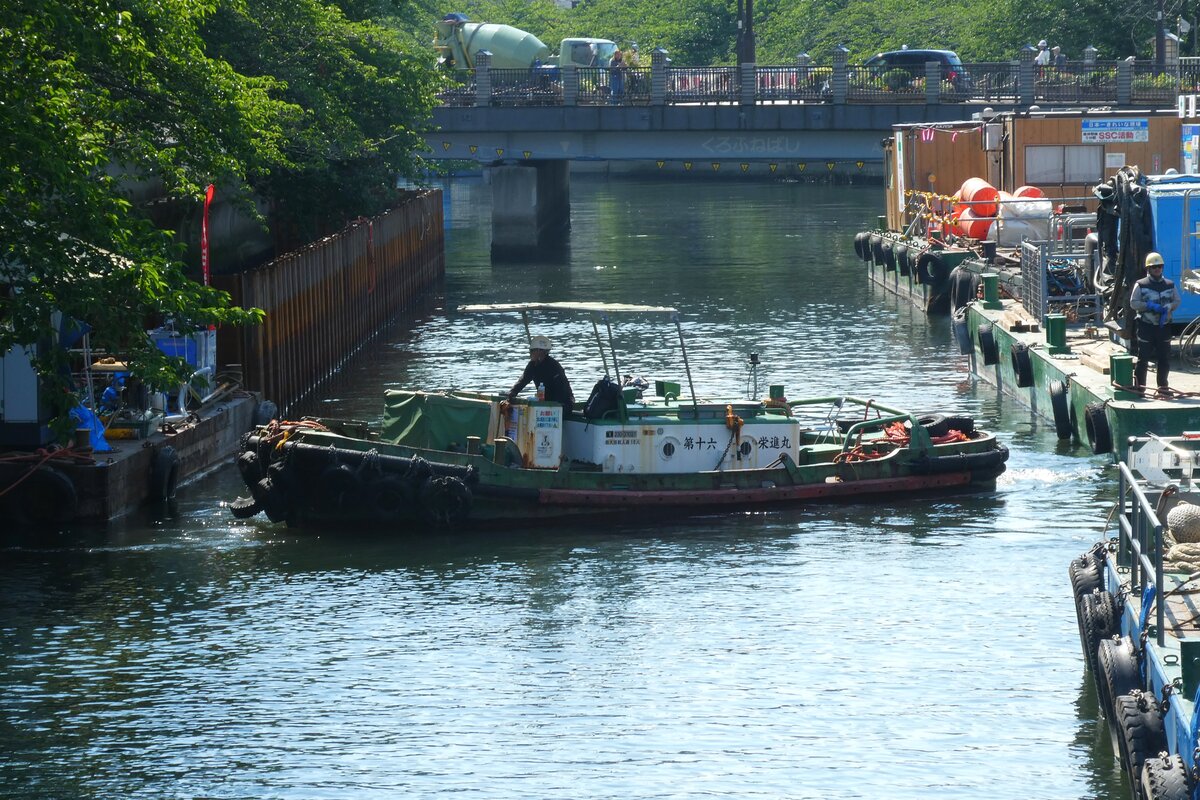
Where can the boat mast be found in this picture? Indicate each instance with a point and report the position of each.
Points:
(600, 344)
(686, 367)
(612, 346)
(528, 335)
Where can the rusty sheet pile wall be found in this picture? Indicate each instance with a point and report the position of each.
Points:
(327, 300)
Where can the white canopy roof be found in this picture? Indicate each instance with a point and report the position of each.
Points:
(611, 308)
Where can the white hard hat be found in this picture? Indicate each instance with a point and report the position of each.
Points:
(539, 343)
(1042, 43)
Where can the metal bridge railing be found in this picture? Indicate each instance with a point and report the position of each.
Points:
(1076, 83)
(703, 85)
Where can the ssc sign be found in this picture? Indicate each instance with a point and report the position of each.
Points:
(1115, 130)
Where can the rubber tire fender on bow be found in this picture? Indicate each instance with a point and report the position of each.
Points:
(445, 501)
(337, 489)
(859, 239)
(1022, 364)
(1119, 673)
(987, 344)
(390, 497)
(889, 255)
(1095, 419)
(876, 248)
(1060, 404)
(900, 250)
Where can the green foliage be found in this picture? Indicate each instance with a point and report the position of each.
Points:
(291, 100)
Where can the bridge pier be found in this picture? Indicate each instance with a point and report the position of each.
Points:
(531, 205)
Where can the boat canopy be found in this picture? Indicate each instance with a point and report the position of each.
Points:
(615, 308)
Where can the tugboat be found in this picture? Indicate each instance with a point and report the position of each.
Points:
(451, 458)
(1137, 609)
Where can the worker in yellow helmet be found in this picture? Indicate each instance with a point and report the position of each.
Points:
(1155, 299)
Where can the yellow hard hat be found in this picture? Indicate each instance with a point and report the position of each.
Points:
(1153, 259)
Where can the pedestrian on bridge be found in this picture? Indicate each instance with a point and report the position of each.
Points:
(616, 78)
(1042, 59)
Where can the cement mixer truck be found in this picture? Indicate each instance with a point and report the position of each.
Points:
(458, 41)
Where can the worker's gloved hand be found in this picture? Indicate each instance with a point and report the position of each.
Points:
(1157, 308)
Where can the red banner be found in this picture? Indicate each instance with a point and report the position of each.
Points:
(204, 270)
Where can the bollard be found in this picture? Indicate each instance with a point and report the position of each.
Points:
(1120, 370)
(500, 450)
(473, 445)
(991, 290)
(1056, 333)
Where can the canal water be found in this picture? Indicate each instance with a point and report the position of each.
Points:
(908, 649)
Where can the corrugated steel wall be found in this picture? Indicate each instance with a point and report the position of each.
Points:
(327, 300)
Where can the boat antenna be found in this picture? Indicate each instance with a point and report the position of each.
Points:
(600, 344)
(754, 374)
(686, 367)
(612, 346)
(528, 335)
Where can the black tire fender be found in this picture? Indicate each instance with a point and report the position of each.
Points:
(250, 467)
(244, 507)
(1085, 576)
(860, 239)
(1022, 364)
(338, 489)
(390, 497)
(987, 344)
(876, 248)
(445, 501)
(934, 424)
(164, 474)
(1142, 733)
(1166, 777)
(47, 496)
(962, 333)
(271, 499)
(1060, 404)
(1095, 420)
(931, 269)
(962, 424)
(900, 251)
(1101, 616)
(889, 255)
(1119, 672)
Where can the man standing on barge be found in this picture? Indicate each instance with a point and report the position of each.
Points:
(1155, 299)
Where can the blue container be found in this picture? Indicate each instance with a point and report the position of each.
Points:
(179, 346)
(1175, 206)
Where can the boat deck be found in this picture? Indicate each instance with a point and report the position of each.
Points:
(1088, 360)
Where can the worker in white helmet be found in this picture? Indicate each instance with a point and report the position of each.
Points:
(546, 374)
(1042, 59)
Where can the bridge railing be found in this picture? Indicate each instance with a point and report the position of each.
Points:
(1011, 83)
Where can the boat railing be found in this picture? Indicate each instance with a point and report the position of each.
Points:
(1140, 545)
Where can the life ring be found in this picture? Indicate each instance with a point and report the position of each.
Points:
(931, 270)
(1166, 777)
(47, 496)
(337, 489)
(1141, 732)
(1022, 364)
(390, 496)
(900, 249)
(1061, 406)
(1119, 672)
(889, 255)
(445, 501)
(987, 344)
(164, 474)
(1099, 435)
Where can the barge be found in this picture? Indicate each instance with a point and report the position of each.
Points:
(1038, 282)
(1137, 603)
(453, 459)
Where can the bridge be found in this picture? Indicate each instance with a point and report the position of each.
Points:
(526, 125)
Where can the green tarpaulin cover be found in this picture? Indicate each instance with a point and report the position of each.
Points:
(434, 421)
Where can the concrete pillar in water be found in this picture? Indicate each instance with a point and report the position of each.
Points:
(531, 206)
